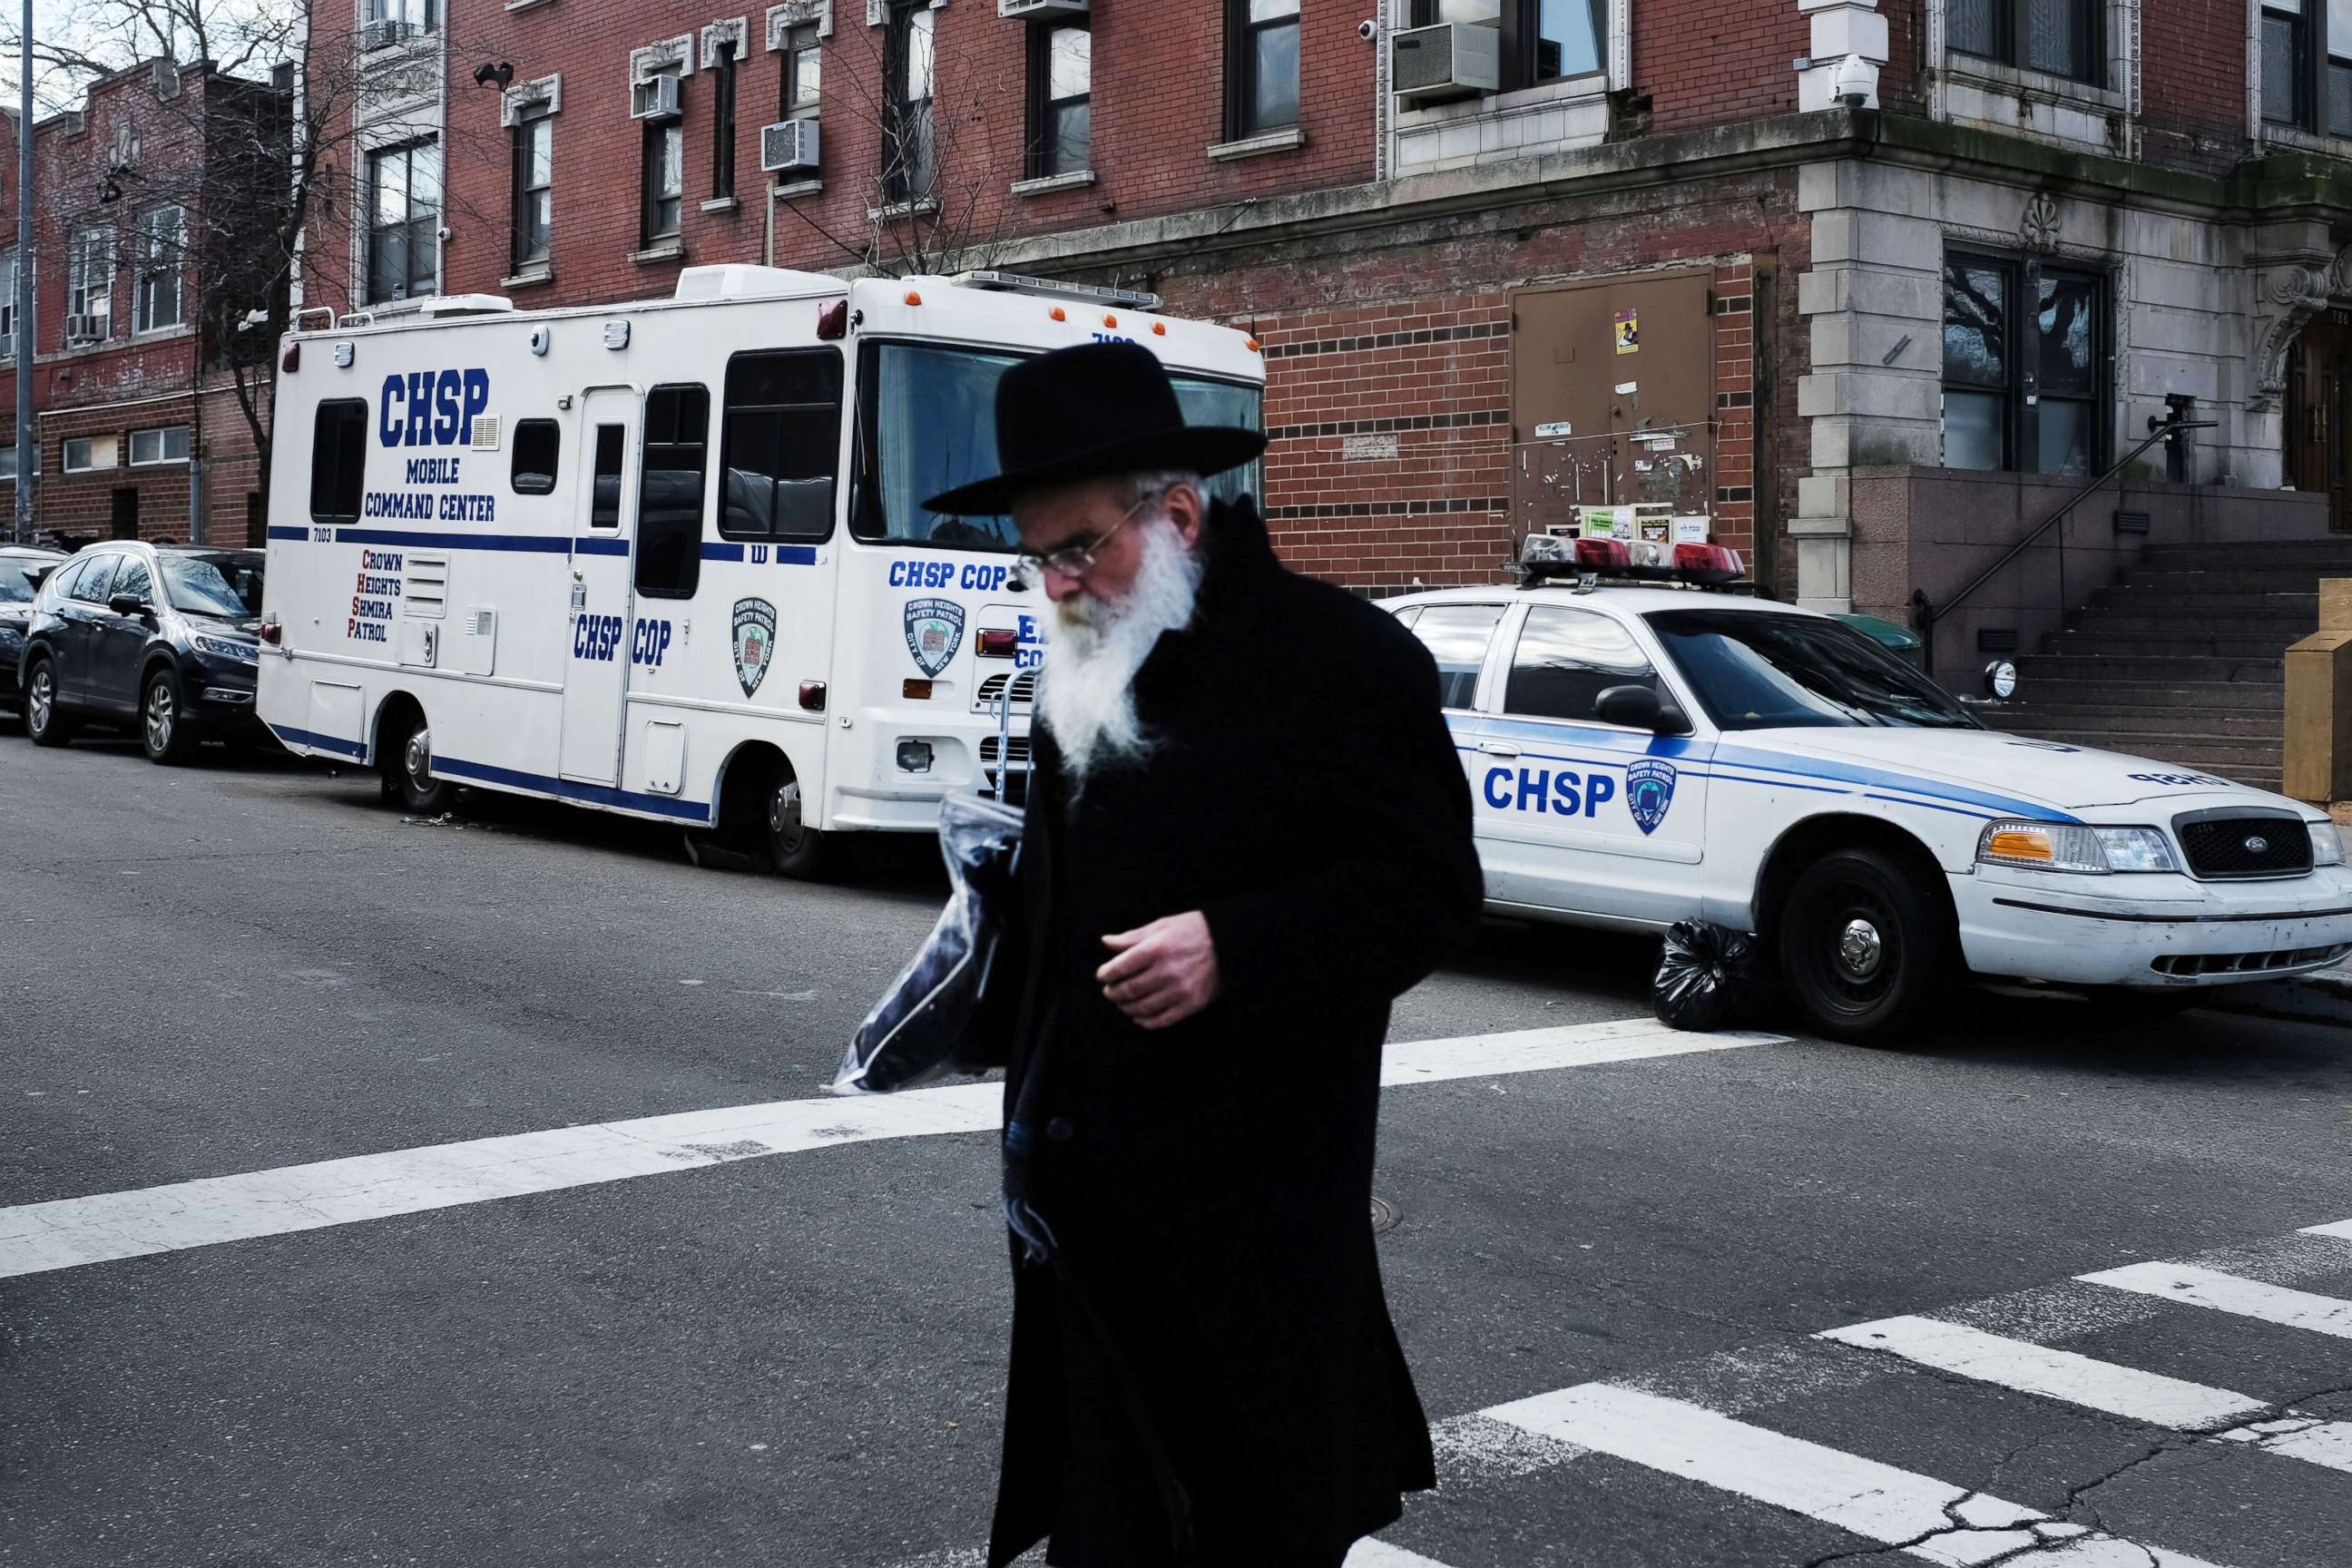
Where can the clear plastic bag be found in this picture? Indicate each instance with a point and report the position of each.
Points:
(1709, 978)
(920, 1031)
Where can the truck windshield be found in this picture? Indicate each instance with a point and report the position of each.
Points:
(927, 423)
(1756, 671)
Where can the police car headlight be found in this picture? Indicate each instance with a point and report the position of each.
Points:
(2088, 851)
(2326, 843)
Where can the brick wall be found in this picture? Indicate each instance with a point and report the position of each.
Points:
(2193, 76)
(1157, 107)
(82, 504)
(1710, 62)
(1382, 333)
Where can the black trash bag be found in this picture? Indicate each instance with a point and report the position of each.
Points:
(1709, 977)
(921, 1030)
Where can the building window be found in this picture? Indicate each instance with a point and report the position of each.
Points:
(89, 287)
(412, 17)
(8, 305)
(339, 433)
(723, 124)
(670, 491)
(782, 445)
(1061, 98)
(1261, 66)
(86, 454)
(907, 64)
(163, 253)
(665, 179)
(169, 445)
(1543, 41)
(2308, 65)
(537, 445)
(535, 186)
(404, 221)
(2025, 390)
(804, 72)
(8, 463)
(2062, 38)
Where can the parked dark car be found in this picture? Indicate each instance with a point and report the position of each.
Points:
(21, 568)
(156, 636)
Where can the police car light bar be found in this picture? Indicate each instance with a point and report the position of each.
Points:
(1547, 556)
(1056, 289)
(1710, 564)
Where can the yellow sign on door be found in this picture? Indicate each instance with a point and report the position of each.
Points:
(1629, 332)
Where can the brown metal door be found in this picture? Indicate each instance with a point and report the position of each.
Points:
(1612, 396)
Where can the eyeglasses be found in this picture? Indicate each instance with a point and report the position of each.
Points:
(1076, 560)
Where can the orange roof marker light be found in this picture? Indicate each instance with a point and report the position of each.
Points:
(1158, 328)
(913, 298)
(1059, 314)
(1253, 346)
(1111, 321)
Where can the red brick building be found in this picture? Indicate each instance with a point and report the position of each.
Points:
(141, 431)
(1872, 285)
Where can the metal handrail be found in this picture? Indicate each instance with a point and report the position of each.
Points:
(1926, 613)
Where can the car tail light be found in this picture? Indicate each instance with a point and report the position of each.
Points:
(1603, 554)
(1708, 564)
(1001, 643)
(916, 691)
(269, 631)
(292, 360)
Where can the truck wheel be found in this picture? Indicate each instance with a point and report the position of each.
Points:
(798, 850)
(44, 721)
(163, 731)
(1863, 949)
(408, 774)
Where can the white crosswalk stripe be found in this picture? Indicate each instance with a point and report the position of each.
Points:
(2053, 1374)
(2230, 1293)
(1380, 1554)
(74, 1232)
(1917, 1514)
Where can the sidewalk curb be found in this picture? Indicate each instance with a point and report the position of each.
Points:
(2322, 997)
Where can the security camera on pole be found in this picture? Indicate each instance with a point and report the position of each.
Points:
(1849, 46)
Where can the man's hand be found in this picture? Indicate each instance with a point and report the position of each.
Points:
(1164, 972)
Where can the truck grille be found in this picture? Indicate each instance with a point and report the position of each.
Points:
(1018, 751)
(2228, 846)
(991, 691)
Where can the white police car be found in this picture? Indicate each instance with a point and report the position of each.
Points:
(1642, 755)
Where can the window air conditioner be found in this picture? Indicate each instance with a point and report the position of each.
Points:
(1454, 60)
(788, 146)
(655, 98)
(1024, 9)
(82, 330)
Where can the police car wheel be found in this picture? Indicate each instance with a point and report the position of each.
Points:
(44, 721)
(163, 731)
(1862, 949)
(797, 849)
(412, 774)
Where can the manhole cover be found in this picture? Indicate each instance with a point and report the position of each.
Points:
(1385, 1216)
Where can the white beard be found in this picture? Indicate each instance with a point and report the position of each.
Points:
(1085, 695)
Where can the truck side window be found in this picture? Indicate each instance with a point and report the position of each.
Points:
(670, 491)
(1457, 634)
(1566, 659)
(338, 459)
(537, 442)
(611, 452)
(781, 449)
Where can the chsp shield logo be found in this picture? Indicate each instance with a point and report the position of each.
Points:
(755, 642)
(934, 632)
(1648, 793)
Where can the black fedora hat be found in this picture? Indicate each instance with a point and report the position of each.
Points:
(1092, 412)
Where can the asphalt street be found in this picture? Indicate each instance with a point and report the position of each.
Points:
(1613, 1258)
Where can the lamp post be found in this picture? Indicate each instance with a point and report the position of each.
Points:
(29, 451)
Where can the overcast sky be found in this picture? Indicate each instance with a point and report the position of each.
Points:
(62, 20)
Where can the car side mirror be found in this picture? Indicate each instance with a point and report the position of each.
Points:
(127, 604)
(1640, 707)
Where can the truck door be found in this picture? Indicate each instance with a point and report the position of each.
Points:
(595, 682)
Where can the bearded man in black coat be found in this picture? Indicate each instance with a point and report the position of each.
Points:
(1247, 832)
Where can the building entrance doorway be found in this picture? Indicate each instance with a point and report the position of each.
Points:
(2318, 403)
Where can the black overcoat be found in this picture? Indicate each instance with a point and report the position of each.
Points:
(1210, 1184)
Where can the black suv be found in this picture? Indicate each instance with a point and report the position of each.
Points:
(156, 636)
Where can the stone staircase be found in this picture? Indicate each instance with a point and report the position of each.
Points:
(2184, 659)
